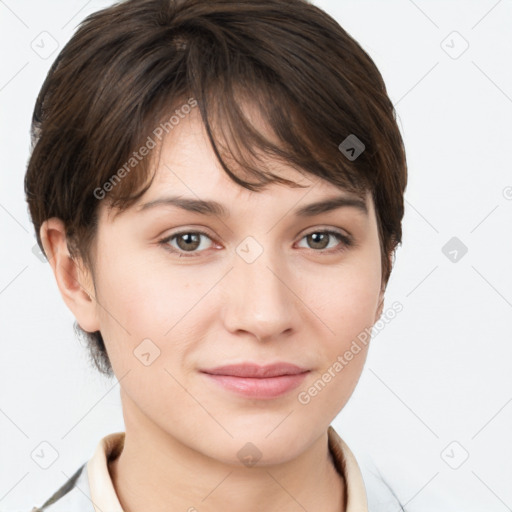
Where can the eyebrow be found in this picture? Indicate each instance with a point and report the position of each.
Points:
(210, 207)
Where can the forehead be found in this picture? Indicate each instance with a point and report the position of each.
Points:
(187, 168)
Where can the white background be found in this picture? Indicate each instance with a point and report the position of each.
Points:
(439, 373)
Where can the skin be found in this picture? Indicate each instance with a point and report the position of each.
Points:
(297, 302)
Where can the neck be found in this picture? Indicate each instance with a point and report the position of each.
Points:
(155, 472)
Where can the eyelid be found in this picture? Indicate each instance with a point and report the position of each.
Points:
(166, 239)
(190, 229)
(331, 229)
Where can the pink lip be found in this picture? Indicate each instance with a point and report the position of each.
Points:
(258, 381)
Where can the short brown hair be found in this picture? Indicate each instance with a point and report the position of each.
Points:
(129, 66)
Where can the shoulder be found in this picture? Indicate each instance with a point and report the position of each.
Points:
(73, 496)
(365, 483)
(382, 497)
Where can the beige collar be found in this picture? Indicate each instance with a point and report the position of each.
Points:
(104, 497)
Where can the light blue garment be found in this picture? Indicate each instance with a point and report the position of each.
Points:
(73, 496)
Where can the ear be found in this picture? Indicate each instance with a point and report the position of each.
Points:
(380, 306)
(73, 279)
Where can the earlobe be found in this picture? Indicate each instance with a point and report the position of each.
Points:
(380, 307)
(73, 280)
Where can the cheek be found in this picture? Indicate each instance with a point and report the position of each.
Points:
(346, 299)
(349, 313)
(350, 316)
(140, 304)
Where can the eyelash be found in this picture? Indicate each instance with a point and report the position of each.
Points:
(347, 242)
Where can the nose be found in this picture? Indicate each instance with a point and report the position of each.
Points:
(259, 298)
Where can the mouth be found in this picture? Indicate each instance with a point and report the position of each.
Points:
(255, 381)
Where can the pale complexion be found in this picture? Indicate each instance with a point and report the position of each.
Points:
(299, 301)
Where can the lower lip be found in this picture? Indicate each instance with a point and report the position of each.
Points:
(271, 387)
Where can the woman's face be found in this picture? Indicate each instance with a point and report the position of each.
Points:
(262, 285)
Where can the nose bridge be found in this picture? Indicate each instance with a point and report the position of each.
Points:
(258, 300)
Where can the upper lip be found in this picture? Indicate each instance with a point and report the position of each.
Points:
(256, 371)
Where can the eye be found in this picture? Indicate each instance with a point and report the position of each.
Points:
(190, 242)
(319, 240)
(187, 242)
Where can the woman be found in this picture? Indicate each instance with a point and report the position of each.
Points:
(260, 135)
